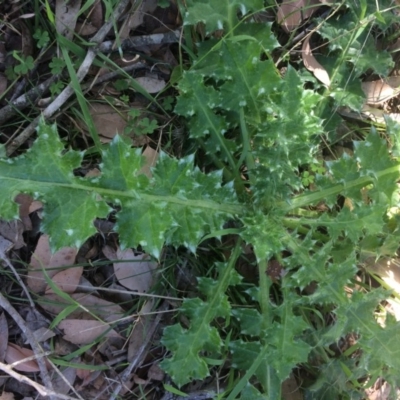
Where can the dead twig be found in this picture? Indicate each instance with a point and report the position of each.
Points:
(62, 98)
(4, 257)
(132, 43)
(26, 99)
(37, 92)
(111, 75)
(43, 391)
(31, 339)
(141, 353)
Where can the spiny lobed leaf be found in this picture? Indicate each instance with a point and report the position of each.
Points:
(231, 95)
(227, 77)
(218, 15)
(46, 173)
(282, 340)
(179, 205)
(186, 345)
(247, 115)
(231, 88)
(353, 37)
(243, 111)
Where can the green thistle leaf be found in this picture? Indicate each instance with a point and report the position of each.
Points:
(179, 205)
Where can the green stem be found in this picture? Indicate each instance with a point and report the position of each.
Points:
(112, 194)
(264, 293)
(249, 373)
(246, 151)
(298, 225)
(312, 198)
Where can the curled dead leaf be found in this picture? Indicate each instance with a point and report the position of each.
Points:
(313, 65)
(17, 354)
(22, 34)
(35, 206)
(24, 201)
(291, 13)
(377, 92)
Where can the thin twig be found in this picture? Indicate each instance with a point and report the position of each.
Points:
(104, 289)
(4, 257)
(140, 354)
(62, 98)
(111, 75)
(61, 375)
(132, 43)
(35, 93)
(43, 391)
(26, 99)
(31, 339)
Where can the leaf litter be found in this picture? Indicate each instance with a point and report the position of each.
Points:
(90, 315)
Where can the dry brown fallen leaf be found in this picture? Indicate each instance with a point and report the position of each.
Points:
(41, 335)
(16, 353)
(151, 157)
(388, 269)
(20, 28)
(375, 114)
(95, 14)
(87, 377)
(136, 273)
(313, 65)
(35, 206)
(380, 391)
(66, 16)
(67, 280)
(7, 396)
(81, 331)
(13, 231)
(107, 120)
(140, 329)
(292, 12)
(150, 84)
(24, 201)
(291, 389)
(136, 18)
(155, 373)
(62, 384)
(53, 263)
(93, 21)
(379, 91)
